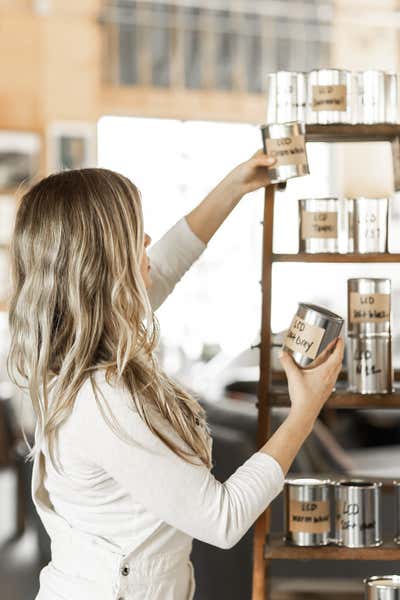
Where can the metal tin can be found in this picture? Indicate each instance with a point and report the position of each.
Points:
(286, 97)
(369, 306)
(371, 107)
(369, 364)
(329, 96)
(307, 511)
(319, 221)
(396, 486)
(358, 513)
(370, 224)
(286, 143)
(391, 98)
(382, 587)
(310, 332)
(349, 224)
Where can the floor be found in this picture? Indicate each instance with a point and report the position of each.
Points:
(19, 569)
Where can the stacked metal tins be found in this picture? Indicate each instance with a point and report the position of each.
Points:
(332, 96)
(384, 587)
(319, 225)
(307, 512)
(358, 513)
(369, 336)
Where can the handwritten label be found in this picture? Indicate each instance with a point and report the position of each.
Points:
(348, 517)
(304, 338)
(288, 150)
(369, 308)
(329, 97)
(368, 226)
(366, 363)
(309, 517)
(319, 225)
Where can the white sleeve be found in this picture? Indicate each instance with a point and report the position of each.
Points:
(170, 258)
(186, 496)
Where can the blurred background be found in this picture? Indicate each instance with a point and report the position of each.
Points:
(171, 93)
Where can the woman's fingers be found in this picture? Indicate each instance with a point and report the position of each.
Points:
(289, 366)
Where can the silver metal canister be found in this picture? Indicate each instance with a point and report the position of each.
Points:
(392, 98)
(286, 143)
(382, 587)
(370, 223)
(329, 96)
(396, 486)
(310, 332)
(286, 97)
(371, 104)
(369, 364)
(307, 511)
(358, 513)
(319, 221)
(369, 306)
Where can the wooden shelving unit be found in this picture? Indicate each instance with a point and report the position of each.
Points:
(271, 395)
(337, 258)
(276, 549)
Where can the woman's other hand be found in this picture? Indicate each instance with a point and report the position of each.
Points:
(252, 174)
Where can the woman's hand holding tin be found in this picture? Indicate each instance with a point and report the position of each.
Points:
(309, 389)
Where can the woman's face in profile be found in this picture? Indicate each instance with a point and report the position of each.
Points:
(145, 264)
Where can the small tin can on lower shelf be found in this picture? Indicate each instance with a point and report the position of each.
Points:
(311, 331)
(358, 513)
(384, 587)
(307, 511)
(286, 143)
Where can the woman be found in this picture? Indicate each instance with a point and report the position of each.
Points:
(122, 453)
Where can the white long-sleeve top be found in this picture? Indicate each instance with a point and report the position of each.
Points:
(142, 495)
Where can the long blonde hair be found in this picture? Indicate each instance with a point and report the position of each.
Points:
(79, 304)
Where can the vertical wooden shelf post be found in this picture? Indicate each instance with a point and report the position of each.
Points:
(262, 524)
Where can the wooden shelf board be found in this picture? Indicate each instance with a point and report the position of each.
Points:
(276, 549)
(379, 132)
(337, 258)
(343, 399)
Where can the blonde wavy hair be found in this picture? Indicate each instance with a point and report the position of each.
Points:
(79, 304)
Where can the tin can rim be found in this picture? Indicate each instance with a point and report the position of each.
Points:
(374, 578)
(286, 123)
(358, 483)
(298, 481)
(322, 311)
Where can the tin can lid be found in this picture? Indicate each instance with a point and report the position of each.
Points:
(321, 311)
